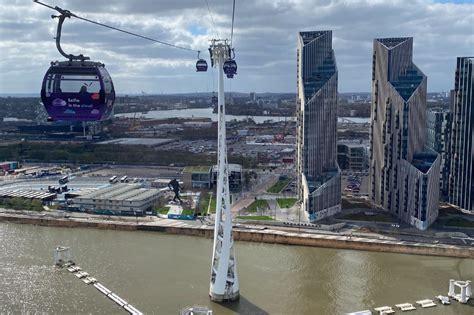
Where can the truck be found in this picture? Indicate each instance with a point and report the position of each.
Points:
(63, 180)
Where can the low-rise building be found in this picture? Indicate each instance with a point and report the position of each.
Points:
(235, 177)
(119, 199)
(28, 194)
(352, 155)
(197, 177)
(7, 166)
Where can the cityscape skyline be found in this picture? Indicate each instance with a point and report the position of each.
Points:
(141, 66)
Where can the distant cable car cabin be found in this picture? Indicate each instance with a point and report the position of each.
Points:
(201, 64)
(230, 68)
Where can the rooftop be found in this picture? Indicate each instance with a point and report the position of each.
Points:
(392, 42)
(312, 35)
(121, 192)
(30, 194)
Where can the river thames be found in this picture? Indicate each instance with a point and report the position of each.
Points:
(160, 274)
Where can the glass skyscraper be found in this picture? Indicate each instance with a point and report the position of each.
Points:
(461, 172)
(319, 178)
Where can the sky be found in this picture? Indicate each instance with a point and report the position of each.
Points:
(265, 39)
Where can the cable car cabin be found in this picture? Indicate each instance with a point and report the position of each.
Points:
(230, 68)
(78, 90)
(214, 101)
(201, 65)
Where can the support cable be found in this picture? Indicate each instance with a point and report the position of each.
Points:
(232, 27)
(70, 14)
(212, 19)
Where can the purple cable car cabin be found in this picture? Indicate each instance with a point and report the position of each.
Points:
(78, 91)
(230, 68)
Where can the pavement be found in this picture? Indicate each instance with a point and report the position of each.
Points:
(264, 181)
(207, 224)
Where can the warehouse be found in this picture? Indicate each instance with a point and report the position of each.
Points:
(28, 194)
(124, 199)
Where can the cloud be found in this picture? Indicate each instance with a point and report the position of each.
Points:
(264, 39)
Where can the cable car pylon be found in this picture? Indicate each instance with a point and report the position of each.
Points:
(224, 283)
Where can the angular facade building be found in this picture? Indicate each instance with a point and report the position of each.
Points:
(461, 172)
(438, 131)
(404, 174)
(319, 178)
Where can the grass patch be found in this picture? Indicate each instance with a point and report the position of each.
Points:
(353, 204)
(258, 205)
(286, 202)
(255, 217)
(278, 186)
(18, 203)
(460, 223)
(361, 216)
(204, 203)
(163, 210)
(187, 212)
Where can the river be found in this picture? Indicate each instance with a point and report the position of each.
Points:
(207, 113)
(160, 274)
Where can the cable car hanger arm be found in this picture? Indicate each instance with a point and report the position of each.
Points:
(62, 17)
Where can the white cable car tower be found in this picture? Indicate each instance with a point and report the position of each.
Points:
(224, 284)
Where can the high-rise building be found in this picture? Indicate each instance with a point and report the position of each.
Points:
(461, 173)
(404, 174)
(253, 96)
(438, 130)
(319, 176)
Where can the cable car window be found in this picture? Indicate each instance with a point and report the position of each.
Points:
(79, 83)
(106, 80)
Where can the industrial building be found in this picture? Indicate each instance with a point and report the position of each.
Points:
(28, 194)
(404, 173)
(319, 176)
(120, 198)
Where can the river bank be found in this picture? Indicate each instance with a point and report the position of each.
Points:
(250, 234)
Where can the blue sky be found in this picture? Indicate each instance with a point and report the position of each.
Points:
(265, 38)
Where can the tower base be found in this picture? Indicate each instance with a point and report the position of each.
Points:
(221, 298)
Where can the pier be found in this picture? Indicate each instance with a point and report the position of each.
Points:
(462, 298)
(62, 259)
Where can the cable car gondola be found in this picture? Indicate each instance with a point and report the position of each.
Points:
(230, 68)
(76, 89)
(201, 65)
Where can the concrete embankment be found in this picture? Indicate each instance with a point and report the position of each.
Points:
(272, 236)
